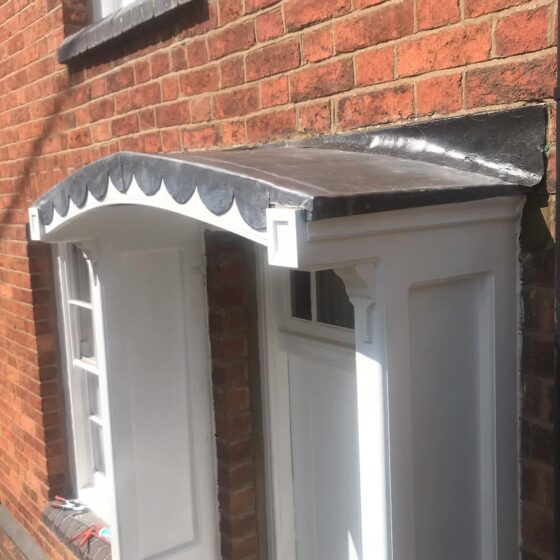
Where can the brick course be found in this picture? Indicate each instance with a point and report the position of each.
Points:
(234, 73)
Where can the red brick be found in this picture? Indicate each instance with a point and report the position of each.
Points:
(200, 81)
(100, 132)
(233, 428)
(232, 39)
(254, 5)
(237, 102)
(273, 59)
(122, 78)
(315, 118)
(197, 53)
(475, 8)
(122, 102)
(173, 114)
(275, 91)
(124, 125)
(319, 81)
(148, 94)
(301, 13)
(269, 26)
(233, 133)
(171, 140)
(511, 82)
(534, 23)
(179, 58)
(151, 142)
(376, 107)
(232, 71)
(243, 547)
(238, 501)
(442, 94)
(367, 3)
(79, 138)
(101, 109)
(235, 476)
(159, 64)
(229, 10)
(147, 118)
(374, 27)
(200, 138)
(169, 88)
(435, 13)
(374, 66)
(200, 110)
(317, 44)
(271, 125)
(232, 400)
(444, 49)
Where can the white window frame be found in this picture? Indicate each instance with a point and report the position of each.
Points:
(102, 8)
(310, 327)
(91, 488)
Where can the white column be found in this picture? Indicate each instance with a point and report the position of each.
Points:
(364, 286)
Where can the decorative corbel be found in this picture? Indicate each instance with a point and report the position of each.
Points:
(90, 251)
(360, 287)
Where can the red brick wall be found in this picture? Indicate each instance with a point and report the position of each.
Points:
(231, 299)
(240, 72)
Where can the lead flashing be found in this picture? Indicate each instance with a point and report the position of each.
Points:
(114, 26)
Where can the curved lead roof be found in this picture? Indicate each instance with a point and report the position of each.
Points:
(497, 154)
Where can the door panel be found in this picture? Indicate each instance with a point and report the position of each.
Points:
(325, 458)
(159, 392)
(447, 382)
(161, 419)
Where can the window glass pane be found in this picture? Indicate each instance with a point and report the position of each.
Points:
(83, 331)
(300, 283)
(97, 447)
(80, 288)
(333, 304)
(93, 394)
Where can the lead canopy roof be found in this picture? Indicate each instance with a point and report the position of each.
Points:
(452, 160)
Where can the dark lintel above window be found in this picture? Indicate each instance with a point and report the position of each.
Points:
(114, 25)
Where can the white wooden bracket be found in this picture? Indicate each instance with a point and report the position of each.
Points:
(287, 232)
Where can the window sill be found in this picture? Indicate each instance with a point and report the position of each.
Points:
(113, 26)
(68, 524)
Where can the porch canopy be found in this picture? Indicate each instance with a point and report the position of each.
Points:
(452, 160)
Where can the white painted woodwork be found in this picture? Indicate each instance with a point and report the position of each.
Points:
(435, 293)
(325, 455)
(451, 406)
(314, 370)
(150, 267)
(407, 452)
(93, 489)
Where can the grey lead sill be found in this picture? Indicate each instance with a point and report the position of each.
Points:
(113, 26)
(68, 524)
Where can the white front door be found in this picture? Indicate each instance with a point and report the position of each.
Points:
(315, 361)
(154, 300)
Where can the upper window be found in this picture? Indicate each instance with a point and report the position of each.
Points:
(84, 376)
(102, 8)
(320, 297)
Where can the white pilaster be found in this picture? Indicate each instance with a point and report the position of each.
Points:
(363, 287)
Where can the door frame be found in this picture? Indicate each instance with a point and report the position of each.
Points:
(280, 334)
(276, 419)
